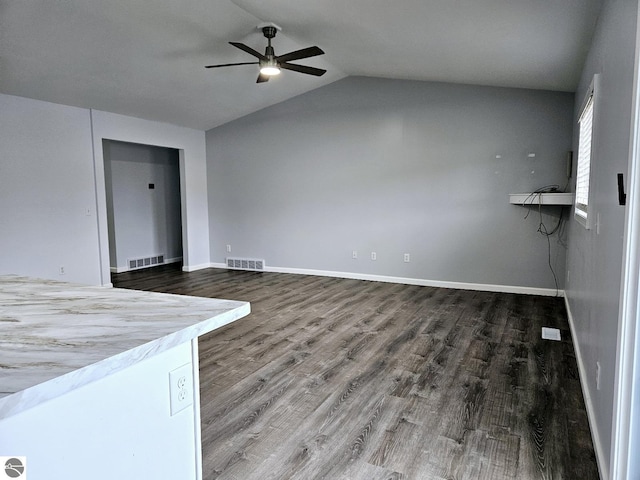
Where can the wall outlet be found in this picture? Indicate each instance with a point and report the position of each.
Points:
(228, 248)
(354, 254)
(407, 258)
(374, 256)
(61, 270)
(181, 388)
(598, 370)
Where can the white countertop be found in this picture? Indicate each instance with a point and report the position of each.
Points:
(55, 336)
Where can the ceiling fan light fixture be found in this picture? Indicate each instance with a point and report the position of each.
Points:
(270, 70)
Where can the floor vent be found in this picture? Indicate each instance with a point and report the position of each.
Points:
(145, 262)
(245, 264)
(551, 334)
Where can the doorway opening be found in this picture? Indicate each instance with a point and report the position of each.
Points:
(144, 218)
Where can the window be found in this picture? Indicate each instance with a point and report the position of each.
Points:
(585, 122)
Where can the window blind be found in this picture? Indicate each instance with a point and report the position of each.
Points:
(584, 159)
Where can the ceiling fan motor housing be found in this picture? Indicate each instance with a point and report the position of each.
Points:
(269, 31)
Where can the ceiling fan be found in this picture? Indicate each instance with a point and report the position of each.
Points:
(270, 63)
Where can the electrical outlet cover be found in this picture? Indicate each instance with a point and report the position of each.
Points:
(181, 388)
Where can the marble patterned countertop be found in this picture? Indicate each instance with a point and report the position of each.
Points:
(56, 337)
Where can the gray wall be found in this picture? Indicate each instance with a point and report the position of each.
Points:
(47, 191)
(394, 167)
(143, 222)
(52, 188)
(594, 262)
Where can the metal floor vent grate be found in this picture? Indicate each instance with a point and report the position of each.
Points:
(245, 264)
(551, 334)
(136, 263)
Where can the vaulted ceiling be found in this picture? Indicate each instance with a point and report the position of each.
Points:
(146, 59)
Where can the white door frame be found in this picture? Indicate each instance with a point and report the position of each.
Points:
(625, 441)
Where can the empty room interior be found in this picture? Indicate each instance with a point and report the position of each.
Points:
(401, 243)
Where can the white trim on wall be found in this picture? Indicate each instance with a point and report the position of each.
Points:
(547, 292)
(623, 458)
(193, 268)
(591, 416)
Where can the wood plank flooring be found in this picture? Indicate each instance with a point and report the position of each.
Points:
(347, 379)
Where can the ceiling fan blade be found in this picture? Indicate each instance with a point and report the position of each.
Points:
(318, 72)
(249, 50)
(231, 64)
(262, 78)
(299, 54)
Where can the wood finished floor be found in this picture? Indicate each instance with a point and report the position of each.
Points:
(347, 379)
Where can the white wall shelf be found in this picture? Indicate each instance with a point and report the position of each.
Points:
(541, 198)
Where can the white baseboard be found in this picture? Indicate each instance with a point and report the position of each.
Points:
(548, 292)
(127, 269)
(595, 436)
(193, 268)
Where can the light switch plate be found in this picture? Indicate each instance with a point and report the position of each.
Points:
(181, 388)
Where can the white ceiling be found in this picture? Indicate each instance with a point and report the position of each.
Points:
(146, 59)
